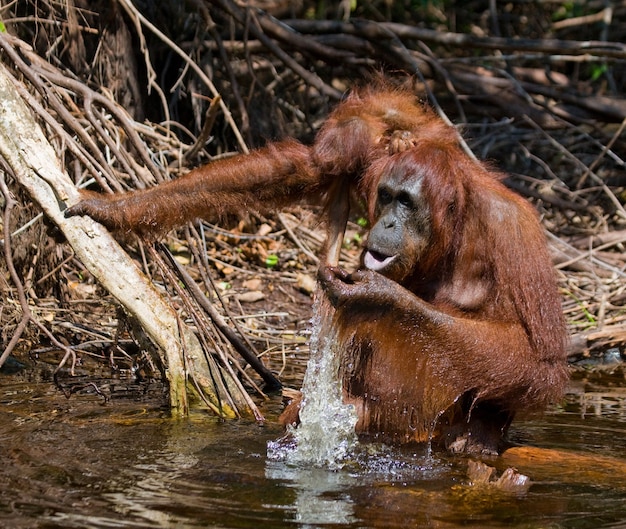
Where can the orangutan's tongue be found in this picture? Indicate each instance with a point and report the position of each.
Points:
(377, 261)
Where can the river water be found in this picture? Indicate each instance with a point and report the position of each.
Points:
(78, 463)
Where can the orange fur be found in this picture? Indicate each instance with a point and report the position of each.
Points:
(468, 335)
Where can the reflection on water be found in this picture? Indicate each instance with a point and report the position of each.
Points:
(321, 496)
(596, 399)
(75, 463)
(330, 497)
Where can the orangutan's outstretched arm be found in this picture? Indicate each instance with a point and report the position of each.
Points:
(278, 174)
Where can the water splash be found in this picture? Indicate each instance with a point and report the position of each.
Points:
(326, 435)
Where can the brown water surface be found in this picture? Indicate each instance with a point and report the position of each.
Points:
(77, 463)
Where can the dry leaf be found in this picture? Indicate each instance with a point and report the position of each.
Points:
(251, 297)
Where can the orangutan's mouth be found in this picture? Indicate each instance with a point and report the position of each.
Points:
(377, 261)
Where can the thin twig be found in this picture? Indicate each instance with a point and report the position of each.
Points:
(27, 315)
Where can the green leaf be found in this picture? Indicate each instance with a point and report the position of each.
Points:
(598, 71)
